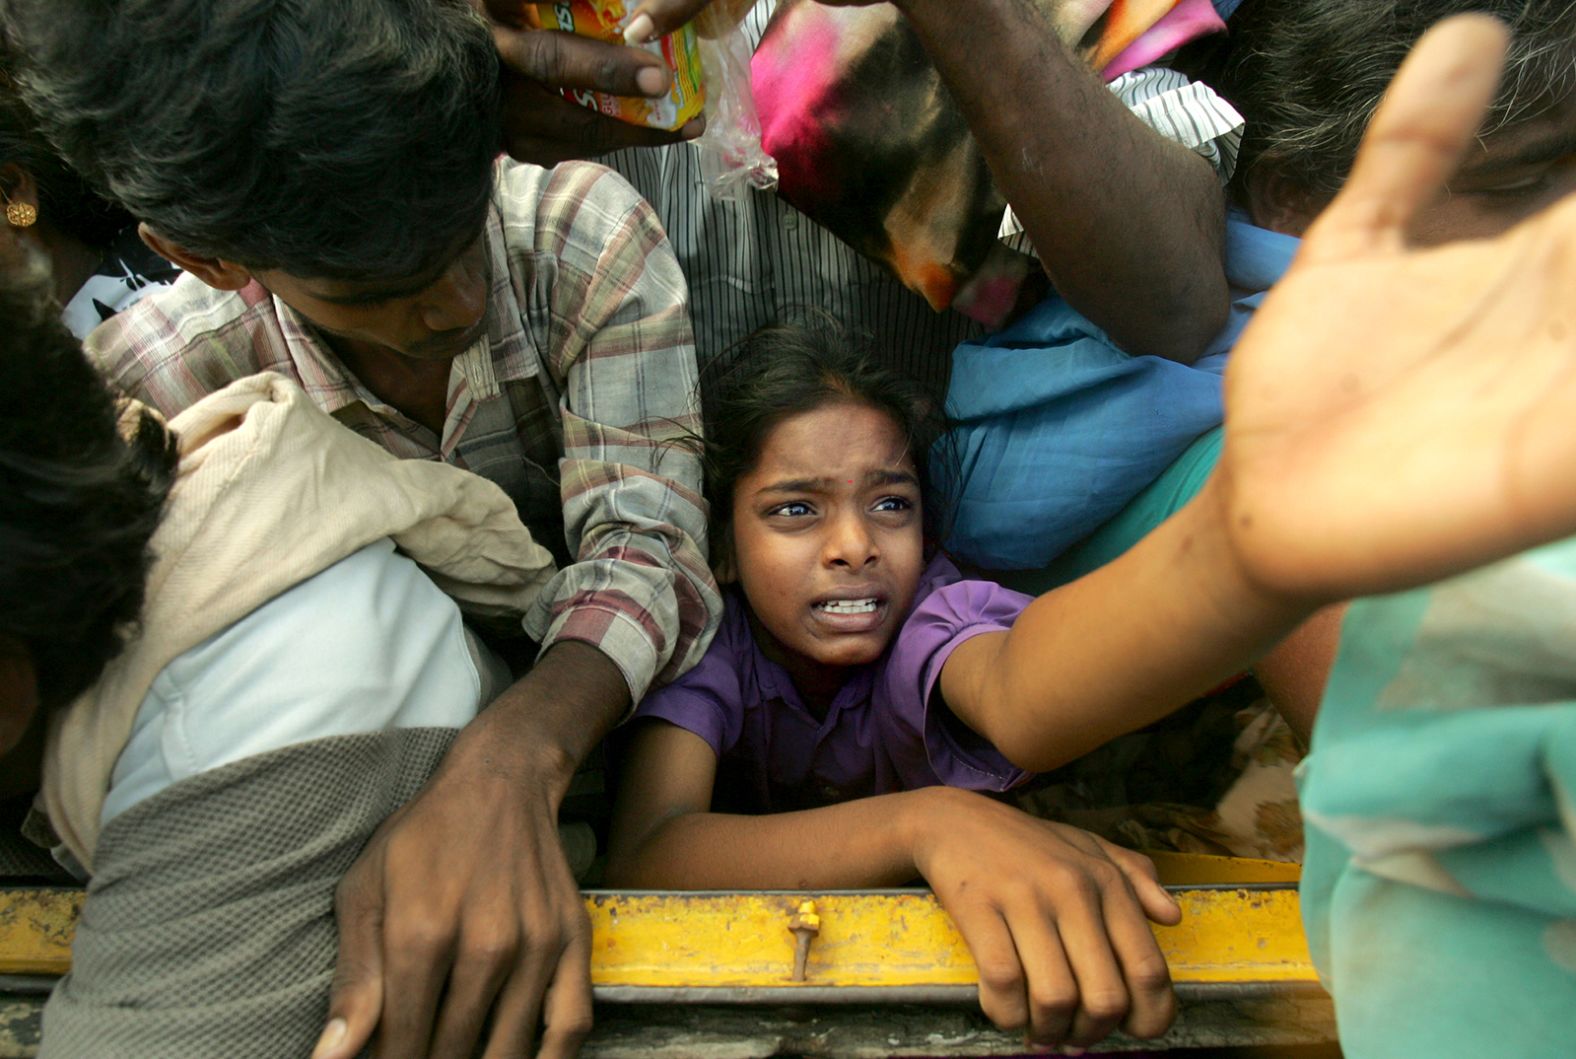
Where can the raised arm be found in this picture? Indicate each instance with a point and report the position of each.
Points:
(1128, 225)
(1055, 917)
(1395, 416)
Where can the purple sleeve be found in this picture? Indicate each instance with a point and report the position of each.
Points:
(952, 753)
(708, 700)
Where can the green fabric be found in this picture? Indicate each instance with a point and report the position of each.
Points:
(1439, 889)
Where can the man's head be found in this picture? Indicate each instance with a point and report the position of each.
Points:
(80, 503)
(341, 153)
(1308, 75)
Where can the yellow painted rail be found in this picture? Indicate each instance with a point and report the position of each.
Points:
(901, 939)
(1243, 929)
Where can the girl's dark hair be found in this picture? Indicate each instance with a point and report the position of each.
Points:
(787, 370)
(80, 496)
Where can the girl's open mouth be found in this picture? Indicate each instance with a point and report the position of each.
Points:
(848, 606)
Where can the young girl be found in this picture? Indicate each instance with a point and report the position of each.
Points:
(849, 681)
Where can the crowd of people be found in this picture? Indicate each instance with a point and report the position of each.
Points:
(407, 521)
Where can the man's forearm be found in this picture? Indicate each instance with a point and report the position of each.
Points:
(1129, 226)
(556, 714)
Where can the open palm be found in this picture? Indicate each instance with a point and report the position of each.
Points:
(1397, 414)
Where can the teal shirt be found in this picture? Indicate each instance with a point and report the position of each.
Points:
(1439, 890)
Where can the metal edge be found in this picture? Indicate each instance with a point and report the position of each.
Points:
(942, 995)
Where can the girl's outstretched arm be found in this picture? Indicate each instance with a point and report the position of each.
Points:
(1394, 415)
(1055, 917)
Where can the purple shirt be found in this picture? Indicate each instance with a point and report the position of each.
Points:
(886, 730)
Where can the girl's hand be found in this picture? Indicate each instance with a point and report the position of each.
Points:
(1396, 415)
(1055, 918)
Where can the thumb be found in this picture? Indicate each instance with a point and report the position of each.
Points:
(355, 1001)
(1429, 116)
(1156, 900)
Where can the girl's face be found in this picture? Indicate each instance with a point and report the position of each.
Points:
(827, 538)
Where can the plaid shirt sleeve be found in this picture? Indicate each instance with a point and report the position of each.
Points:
(621, 351)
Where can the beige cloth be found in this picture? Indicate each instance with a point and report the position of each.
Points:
(270, 492)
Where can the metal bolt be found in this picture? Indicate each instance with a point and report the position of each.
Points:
(805, 925)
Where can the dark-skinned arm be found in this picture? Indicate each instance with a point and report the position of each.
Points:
(427, 951)
(1129, 226)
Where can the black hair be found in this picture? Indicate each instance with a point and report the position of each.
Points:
(337, 139)
(786, 370)
(1308, 75)
(79, 499)
(65, 201)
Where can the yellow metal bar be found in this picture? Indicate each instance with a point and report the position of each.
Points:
(892, 939)
(901, 939)
(1196, 869)
(35, 930)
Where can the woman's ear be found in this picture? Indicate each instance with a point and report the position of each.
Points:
(17, 185)
(216, 272)
(1280, 204)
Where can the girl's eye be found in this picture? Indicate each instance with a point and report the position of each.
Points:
(894, 503)
(792, 509)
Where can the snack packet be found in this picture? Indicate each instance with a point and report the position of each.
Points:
(606, 20)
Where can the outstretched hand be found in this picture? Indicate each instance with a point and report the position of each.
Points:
(1396, 414)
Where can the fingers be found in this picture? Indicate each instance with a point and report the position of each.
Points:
(1002, 995)
(564, 60)
(1144, 880)
(658, 17)
(515, 1017)
(1151, 1002)
(543, 127)
(1429, 116)
(482, 965)
(418, 957)
(566, 1011)
(1099, 992)
(356, 997)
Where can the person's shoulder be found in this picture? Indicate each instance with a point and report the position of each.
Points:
(179, 344)
(572, 207)
(947, 604)
(563, 193)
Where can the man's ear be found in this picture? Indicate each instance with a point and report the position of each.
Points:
(216, 272)
(1280, 204)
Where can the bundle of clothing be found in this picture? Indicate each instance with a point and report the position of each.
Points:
(209, 923)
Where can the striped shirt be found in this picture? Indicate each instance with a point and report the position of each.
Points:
(757, 262)
(576, 402)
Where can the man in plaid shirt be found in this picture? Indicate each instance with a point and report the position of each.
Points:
(326, 176)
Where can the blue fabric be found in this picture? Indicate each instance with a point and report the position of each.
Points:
(1057, 428)
(1439, 887)
(1226, 8)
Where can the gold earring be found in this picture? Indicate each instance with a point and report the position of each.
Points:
(19, 214)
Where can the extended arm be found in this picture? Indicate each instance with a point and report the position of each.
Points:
(1055, 917)
(1395, 415)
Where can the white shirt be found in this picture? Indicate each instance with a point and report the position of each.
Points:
(367, 645)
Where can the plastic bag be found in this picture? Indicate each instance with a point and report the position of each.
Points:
(732, 160)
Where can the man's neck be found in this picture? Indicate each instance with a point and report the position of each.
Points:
(417, 388)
